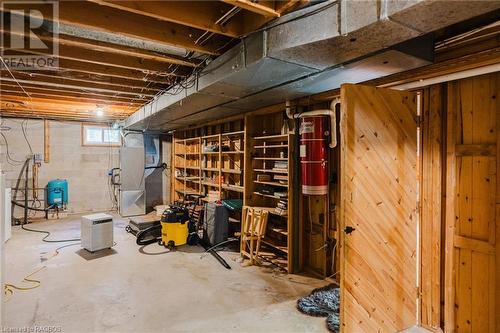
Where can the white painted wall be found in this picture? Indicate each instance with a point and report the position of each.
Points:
(85, 168)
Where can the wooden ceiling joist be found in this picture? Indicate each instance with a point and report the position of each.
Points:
(72, 41)
(84, 78)
(14, 95)
(106, 19)
(106, 59)
(39, 113)
(121, 54)
(263, 8)
(10, 88)
(104, 70)
(44, 104)
(202, 15)
(81, 87)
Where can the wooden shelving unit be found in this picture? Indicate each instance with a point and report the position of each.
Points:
(186, 162)
(216, 164)
(226, 158)
(269, 145)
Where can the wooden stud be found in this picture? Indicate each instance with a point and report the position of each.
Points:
(258, 8)
(46, 141)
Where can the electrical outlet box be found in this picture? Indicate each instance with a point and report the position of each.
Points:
(38, 158)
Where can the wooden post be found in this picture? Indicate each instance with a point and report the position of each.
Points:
(46, 140)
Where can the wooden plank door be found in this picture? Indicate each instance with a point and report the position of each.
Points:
(379, 215)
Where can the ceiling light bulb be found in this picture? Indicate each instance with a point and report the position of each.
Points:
(99, 111)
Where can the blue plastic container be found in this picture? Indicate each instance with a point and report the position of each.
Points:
(57, 192)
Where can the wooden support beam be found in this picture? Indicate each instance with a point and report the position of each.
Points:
(34, 104)
(254, 7)
(83, 86)
(103, 18)
(84, 78)
(47, 114)
(103, 70)
(103, 58)
(201, 15)
(13, 88)
(283, 7)
(8, 94)
(72, 41)
(46, 141)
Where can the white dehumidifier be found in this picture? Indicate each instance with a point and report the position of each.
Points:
(97, 232)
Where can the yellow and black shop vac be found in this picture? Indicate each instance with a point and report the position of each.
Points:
(175, 229)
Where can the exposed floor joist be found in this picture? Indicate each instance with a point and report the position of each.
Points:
(256, 7)
(124, 53)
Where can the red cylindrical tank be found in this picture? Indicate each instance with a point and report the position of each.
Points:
(313, 155)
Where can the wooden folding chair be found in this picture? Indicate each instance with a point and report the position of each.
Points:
(253, 230)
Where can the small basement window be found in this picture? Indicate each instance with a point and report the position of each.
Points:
(99, 135)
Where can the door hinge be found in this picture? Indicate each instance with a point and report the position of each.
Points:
(420, 119)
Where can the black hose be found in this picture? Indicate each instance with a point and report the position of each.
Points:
(216, 255)
(149, 235)
(33, 208)
(48, 234)
(16, 188)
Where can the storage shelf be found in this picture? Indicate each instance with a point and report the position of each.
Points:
(186, 192)
(237, 133)
(235, 188)
(194, 149)
(187, 154)
(271, 146)
(224, 152)
(271, 171)
(235, 171)
(192, 167)
(272, 211)
(210, 169)
(282, 231)
(210, 184)
(213, 136)
(271, 183)
(234, 152)
(276, 246)
(188, 178)
(271, 158)
(271, 196)
(272, 137)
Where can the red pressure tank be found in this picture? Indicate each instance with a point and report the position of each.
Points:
(313, 154)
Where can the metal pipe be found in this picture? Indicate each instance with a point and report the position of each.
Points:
(26, 196)
(324, 112)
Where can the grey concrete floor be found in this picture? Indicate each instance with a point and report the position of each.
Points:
(125, 290)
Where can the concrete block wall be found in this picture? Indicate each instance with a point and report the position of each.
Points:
(85, 168)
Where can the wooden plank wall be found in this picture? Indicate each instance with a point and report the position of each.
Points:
(432, 192)
(473, 205)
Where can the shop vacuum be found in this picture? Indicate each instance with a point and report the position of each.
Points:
(176, 229)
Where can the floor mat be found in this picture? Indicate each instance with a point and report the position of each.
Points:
(323, 302)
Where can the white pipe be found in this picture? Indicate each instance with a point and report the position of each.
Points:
(323, 112)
